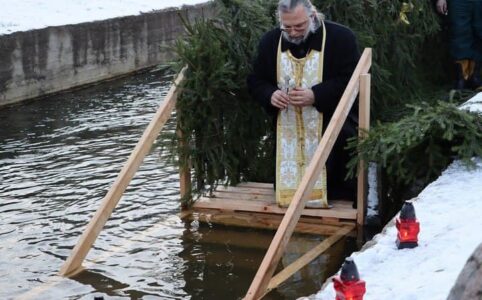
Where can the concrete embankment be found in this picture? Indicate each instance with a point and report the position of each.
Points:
(40, 62)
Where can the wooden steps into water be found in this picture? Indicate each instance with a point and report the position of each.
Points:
(253, 204)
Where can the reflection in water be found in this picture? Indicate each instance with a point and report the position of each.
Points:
(222, 261)
(58, 158)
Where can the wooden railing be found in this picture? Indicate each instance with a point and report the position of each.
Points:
(261, 281)
(73, 264)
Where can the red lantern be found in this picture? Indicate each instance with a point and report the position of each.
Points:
(348, 285)
(408, 227)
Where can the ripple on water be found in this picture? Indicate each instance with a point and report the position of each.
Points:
(56, 164)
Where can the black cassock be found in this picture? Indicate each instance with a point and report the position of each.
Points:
(340, 59)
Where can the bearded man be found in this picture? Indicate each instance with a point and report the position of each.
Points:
(299, 76)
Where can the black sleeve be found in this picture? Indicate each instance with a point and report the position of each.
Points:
(262, 81)
(341, 58)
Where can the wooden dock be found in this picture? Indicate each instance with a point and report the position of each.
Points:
(252, 204)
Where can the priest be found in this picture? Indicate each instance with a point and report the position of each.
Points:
(299, 75)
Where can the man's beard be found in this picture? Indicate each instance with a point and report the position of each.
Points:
(298, 40)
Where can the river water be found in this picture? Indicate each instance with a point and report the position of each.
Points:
(58, 158)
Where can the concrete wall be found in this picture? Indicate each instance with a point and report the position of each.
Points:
(44, 61)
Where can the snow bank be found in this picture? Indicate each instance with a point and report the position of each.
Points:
(474, 104)
(449, 211)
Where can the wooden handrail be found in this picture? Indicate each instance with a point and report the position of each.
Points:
(74, 262)
(278, 245)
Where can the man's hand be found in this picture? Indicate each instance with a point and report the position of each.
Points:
(442, 6)
(280, 99)
(301, 97)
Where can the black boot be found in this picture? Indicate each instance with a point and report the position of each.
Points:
(460, 82)
(474, 81)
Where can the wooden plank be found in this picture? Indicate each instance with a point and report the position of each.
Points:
(282, 236)
(74, 262)
(326, 221)
(260, 185)
(258, 206)
(364, 126)
(247, 190)
(306, 225)
(334, 222)
(184, 213)
(345, 204)
(269, 199)
(308, 257)
(184, 171)
(245, 196)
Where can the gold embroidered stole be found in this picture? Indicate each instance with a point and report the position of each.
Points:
(298, 129)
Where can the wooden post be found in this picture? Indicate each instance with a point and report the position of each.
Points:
(364, 126)
(184, 169)
(284, 232)
(74, 262)
(308, 257)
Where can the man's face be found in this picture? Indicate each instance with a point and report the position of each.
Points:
(295, 24)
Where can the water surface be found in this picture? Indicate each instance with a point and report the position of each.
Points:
(58, 158)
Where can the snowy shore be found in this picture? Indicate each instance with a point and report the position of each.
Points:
(26, 15)
(449, 211)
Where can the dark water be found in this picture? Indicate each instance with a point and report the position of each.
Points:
(58, 158)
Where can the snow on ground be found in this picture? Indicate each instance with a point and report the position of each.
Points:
(449, 211)
(474, 104)
(23, 15)
(372, 199)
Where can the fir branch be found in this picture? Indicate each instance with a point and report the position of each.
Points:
(223, 130)
(421, 145)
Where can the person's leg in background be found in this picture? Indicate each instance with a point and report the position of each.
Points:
(461, 40)
(476, 9)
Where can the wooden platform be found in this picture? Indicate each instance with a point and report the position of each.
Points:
(253, 204)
